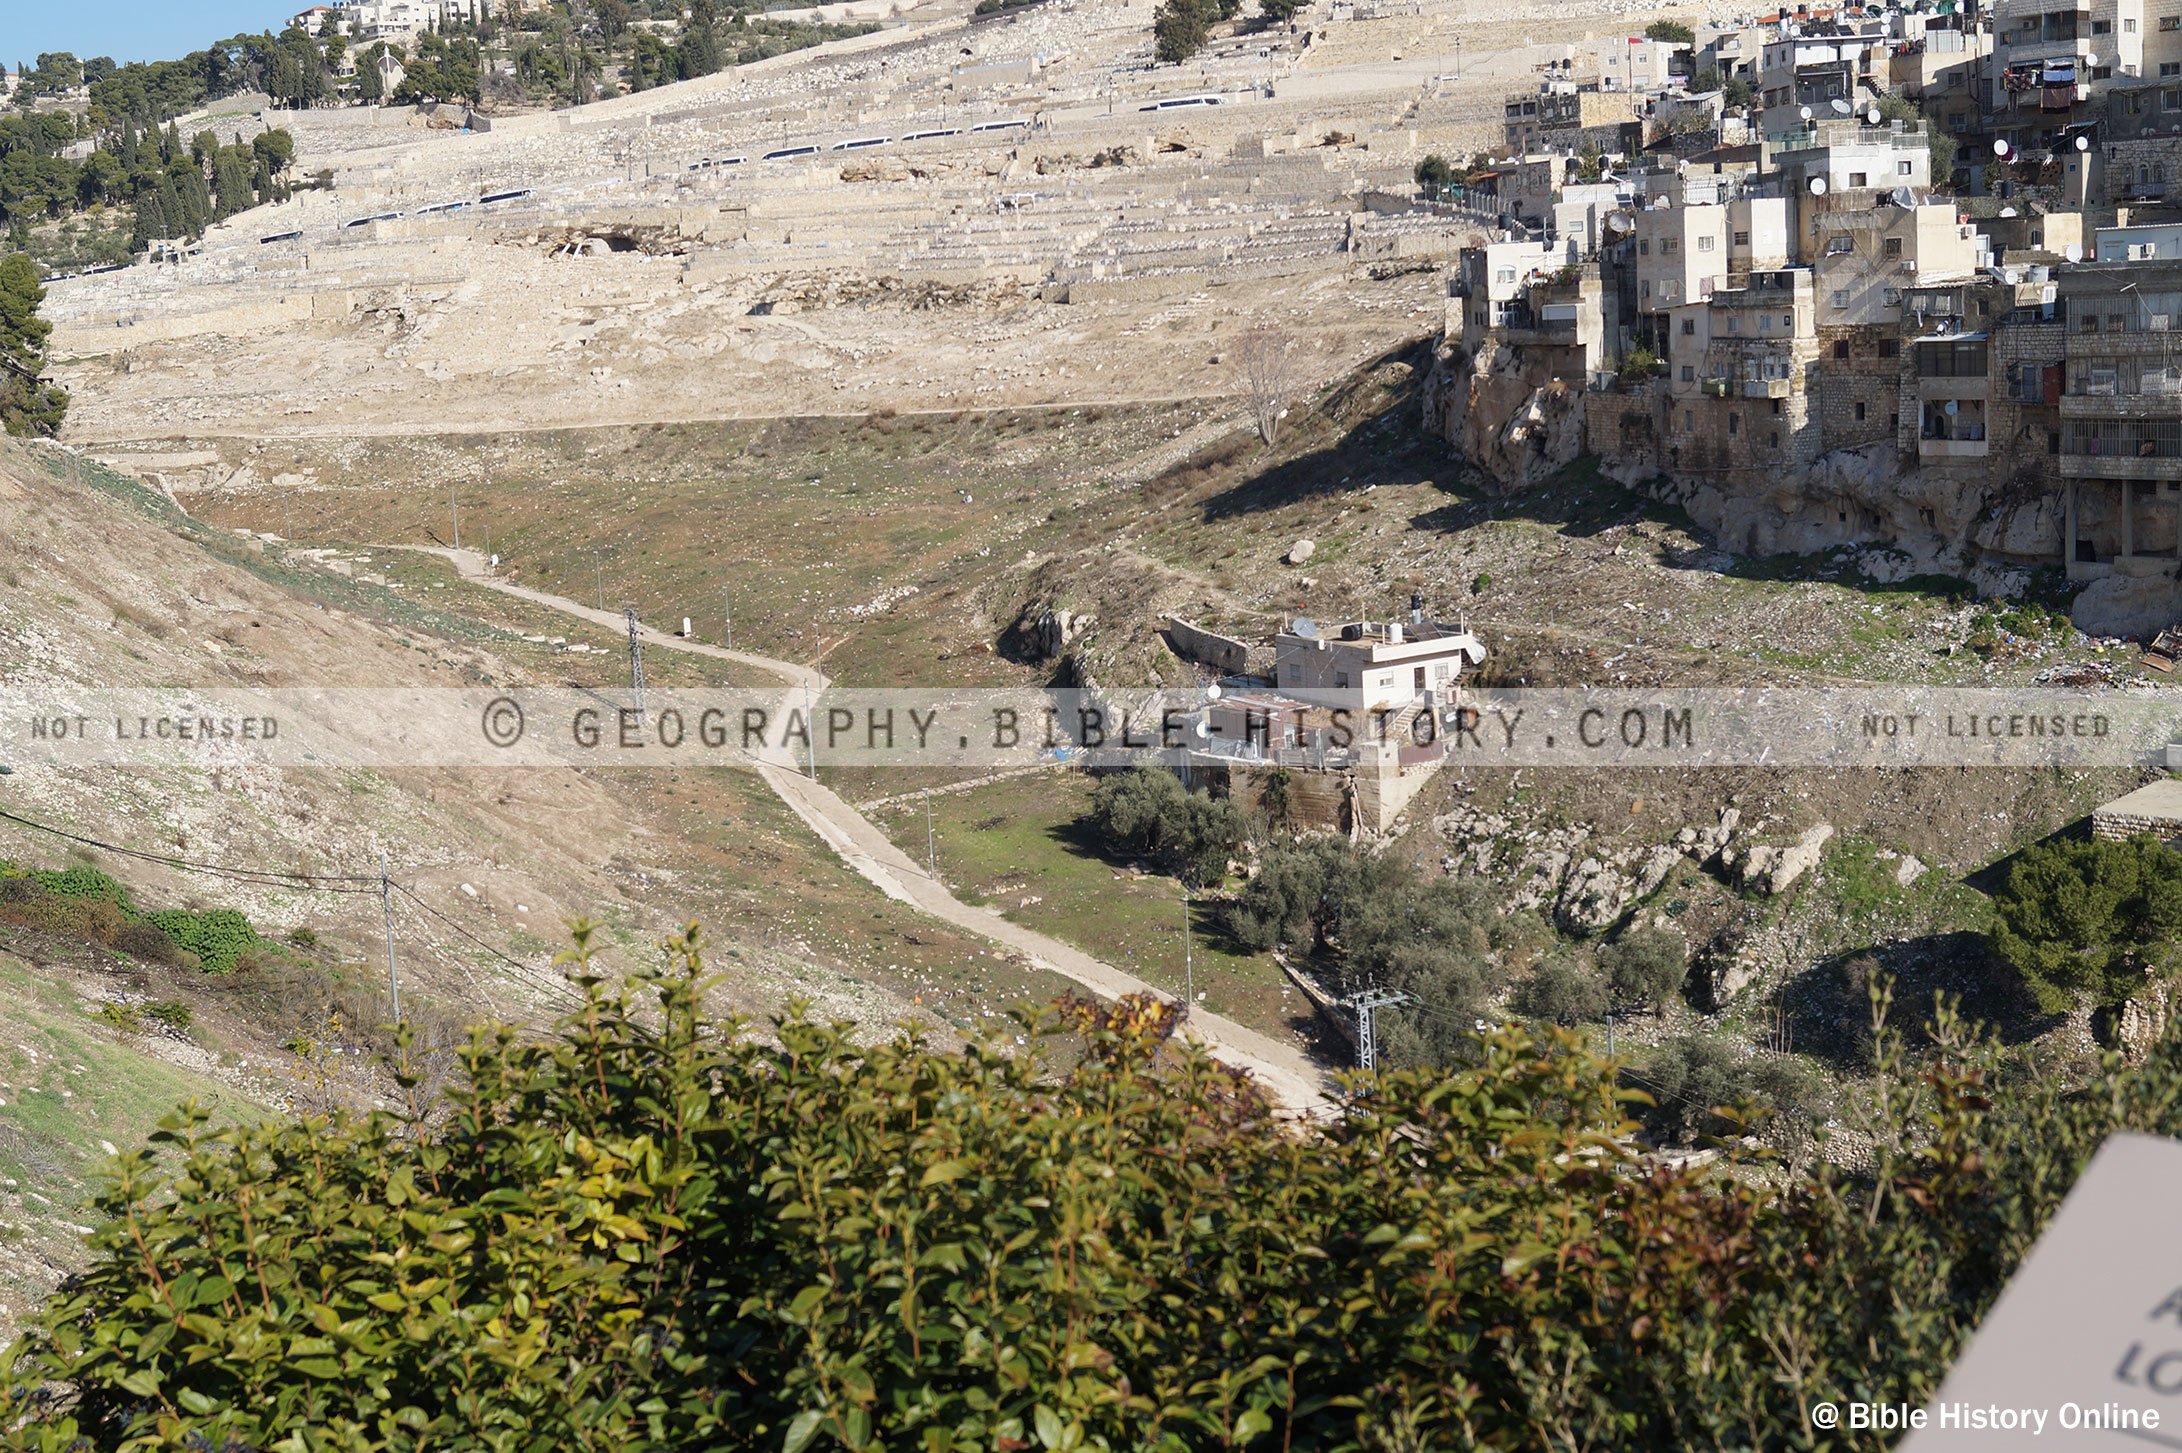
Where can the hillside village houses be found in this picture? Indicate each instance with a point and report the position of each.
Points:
(393, 20)
(1779, 313)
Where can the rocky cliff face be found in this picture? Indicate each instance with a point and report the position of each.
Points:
(1990, 523)
(1515, 431)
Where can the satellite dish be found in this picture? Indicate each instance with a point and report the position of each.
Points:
(2000, 146)
(2074, 252)
(1806, 111)
(1617, 222)
(1212, 692)
(2090, 61)
(2083, 143)
(1842, 107)
(2008, 212)
(1306, 628)
(1818, 186)
(1204, 728)
(1872, 116)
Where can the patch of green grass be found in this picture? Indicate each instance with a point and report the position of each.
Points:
(1015, 846)
(71, 1086)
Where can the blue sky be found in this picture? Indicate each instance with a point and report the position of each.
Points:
(130, 30)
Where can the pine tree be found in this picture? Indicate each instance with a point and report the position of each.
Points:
(28, 406)
(231, 189)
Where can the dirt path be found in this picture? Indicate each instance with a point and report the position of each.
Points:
(1287, 1072)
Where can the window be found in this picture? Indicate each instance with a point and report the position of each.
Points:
(2170, 22)
(2129, 27)
(1505, 275)
(1644, 247)
(1689, 327)
(1788, 321)
(1734, 423)
(1891, 297)
(2102, 27)
(1645, 287)
(1890, 348)
(1840, 245)
(2169, 100)
(1841, 297)
(1859, 413)
(1670, 245)
(1689, 373)
(1892, 247)
(1774, 439)
(1765, 322)
(1858, 179)
(1705, 244)
(1734, 325)
(1742, 239)
(1905, 169)
(1689, 426)
(1841, 348)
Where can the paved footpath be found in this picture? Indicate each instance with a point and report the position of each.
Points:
(1289, 1074)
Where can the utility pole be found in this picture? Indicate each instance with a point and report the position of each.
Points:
(636, 656)
(1189, 966)
(1609, 1034)
(727, 618)
(386, 905)
(598, 565)
(1367, 1005)
(931, 850)
(454, 512)
(810, 729)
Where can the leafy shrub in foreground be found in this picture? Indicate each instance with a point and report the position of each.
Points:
(647, 1231)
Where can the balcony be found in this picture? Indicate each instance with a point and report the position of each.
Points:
(2110, 466)
(1951, 449)
(2121, 406)
(1766, 388)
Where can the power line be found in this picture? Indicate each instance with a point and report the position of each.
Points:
(261, 877)
(529, 974)
(375, 885)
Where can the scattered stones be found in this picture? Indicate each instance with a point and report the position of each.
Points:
(1301, 551)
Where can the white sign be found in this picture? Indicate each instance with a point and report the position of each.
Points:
(2083, 1351)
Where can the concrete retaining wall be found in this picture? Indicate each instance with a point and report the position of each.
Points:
(1191, 642)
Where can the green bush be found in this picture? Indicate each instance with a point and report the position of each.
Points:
(1645, 966)
(1563, 991)
(643, 1230)
(1147, 813)
(1673, 31)
(2089, 920)
(170, 1014)
(1699, 1080)
(217, 936)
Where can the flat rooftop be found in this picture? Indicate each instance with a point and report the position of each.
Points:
(2160, 801)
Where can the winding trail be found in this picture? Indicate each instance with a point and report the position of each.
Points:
(1288, 1074)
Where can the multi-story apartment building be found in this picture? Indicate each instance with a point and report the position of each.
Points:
(1737, 395)
(1681, 254)
(1867, 258)
(2121, 417)
(1567, 116)
(2053, 57)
